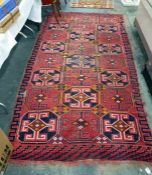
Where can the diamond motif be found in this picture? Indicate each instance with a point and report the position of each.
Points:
(80, 123)
(37, 125)
(45, 77)
(117, 98)
(114, 77)
(49, 60)
(81, 97)
(40, 97)
(112, 62)
(120, 126)
(81, 78)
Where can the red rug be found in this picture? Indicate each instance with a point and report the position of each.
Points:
(79, 98)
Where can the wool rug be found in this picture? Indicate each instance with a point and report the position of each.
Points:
(79, 97)
(92, 3)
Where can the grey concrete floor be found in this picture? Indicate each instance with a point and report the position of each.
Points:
(11, 75)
